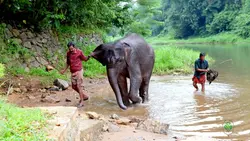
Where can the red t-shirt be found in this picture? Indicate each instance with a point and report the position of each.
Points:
(74, 60)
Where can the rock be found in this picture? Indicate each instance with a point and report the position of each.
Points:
(31, 97)
(135, 119)
(46, 35)
(27, 69)
(23, 89)
(44, 41)
(39, 50)
(44, 95)
(23, 36)
(18, 90)
(30, 35)
(15, 32)
(153, 126)
(61, 84)
(8, 33)
(24, 30)
(114, 116)
(50, 99)
(11, 90)
(34, 64)
(16, 40)
(93, 115)
(9, 27)
(123, 121)
(33, 42)
(113, 128)
(41, 61)
(55, 88)
(67, 100)
(38, 40)
(42, 90)
(105, 128)
(27, 45)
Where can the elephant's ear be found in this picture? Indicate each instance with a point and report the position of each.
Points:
(127, 50)
(99, 54)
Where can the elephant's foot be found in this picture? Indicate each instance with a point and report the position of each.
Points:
(135, 99)
(144, 100)
(126, 101)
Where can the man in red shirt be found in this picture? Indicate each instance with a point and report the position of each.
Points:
(74, 61)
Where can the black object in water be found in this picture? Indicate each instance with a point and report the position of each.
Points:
(212, 75)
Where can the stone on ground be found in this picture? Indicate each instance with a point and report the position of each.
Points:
(50, 99)
(153, 126)
(93, 115)
(114, 116)
(123, 121)
(62, 84)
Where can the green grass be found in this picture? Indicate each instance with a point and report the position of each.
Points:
(1, 70)
(172, 59)
(18, 124)
(222, 38)
(93, 68)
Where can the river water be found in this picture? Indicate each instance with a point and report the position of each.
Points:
(173, 100)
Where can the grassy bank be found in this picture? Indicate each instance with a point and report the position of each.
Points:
(18, 124)
(223, 38)
(1, 70)
(171, 59)
(168, 59)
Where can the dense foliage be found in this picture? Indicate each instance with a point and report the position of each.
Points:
(175, 18)
(53, 13)
(185, 18)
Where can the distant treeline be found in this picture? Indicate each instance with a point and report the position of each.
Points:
(175, 18)
(113, 16)
(185, 18)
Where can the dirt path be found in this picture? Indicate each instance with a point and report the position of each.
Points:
(33, 97)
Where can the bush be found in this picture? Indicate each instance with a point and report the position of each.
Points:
(241, 25)
(221, 22)
(172, 59)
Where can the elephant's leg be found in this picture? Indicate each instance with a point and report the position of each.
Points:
(135, 83)
(144, 90)
(122, 82)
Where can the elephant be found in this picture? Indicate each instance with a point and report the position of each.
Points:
(130, 57)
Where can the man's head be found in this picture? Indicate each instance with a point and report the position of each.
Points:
(71, 46)
(202, 56)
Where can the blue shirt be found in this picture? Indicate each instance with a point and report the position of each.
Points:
(199, 64)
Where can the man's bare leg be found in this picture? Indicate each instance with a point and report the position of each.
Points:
(83, 97)
(203, 87)
(195, 86)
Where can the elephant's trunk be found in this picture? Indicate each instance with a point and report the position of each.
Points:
(112, 77)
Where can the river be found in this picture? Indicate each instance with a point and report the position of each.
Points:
(173, 100)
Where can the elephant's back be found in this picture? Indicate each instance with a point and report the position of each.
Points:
(137, 42)
(141, 49)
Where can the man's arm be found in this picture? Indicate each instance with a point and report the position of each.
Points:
(64, 70)
(198, 69)
(202, 70)
(67, 66)
(83, 57)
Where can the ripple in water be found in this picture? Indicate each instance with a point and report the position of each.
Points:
(193, 113)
